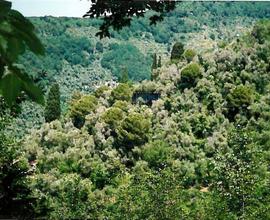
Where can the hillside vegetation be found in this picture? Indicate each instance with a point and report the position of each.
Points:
(79, 61)
(193, 144)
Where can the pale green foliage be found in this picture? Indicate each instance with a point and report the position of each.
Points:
(100, 91)
(123, 105)
(70, 197)
(189, 54)
(240, 174)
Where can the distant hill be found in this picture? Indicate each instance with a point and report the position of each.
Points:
(75, 55)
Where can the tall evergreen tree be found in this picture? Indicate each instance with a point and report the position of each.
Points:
(177, 51)
(159, 62)
(154, 64)
(124, 77)
(53, 107)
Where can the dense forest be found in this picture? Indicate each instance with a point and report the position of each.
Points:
(157, 122)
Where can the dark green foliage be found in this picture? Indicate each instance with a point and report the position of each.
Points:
(160, 195)
(157, 154)
(190, 75)
(99, 47)
(53, 105)
(177, 51)
(159, 62)
(121, 13)
(80, 108)
(133, 131)
(15, 199)
(239, 99)
(212, 36)
(261, 31)
(75, 50)
(127, 55)
(122, 92)
(16, 34)
(113, 117)
(154, 64)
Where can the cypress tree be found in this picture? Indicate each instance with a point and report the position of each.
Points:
(159, 62)
(124, 77)
(154, 64)
(177, 51)
(53, 106)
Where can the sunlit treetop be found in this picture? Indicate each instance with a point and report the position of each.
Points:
(118, 14)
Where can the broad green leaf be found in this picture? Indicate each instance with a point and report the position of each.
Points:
(24, 30)
(32, 41)
(28, 86)
(33, 92)
(10, 86)
(20, 22)
(3, 45)
(16, 33)
(16, 47)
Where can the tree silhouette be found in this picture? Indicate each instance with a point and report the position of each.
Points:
(117, 14)
(16, 35)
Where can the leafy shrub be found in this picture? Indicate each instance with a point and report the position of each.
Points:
(82, 107)
(190, 75)
(53, 106)
(127, 55)
(261, 31)
(239, 99)
(189, 54)
(133, 131)
(113, 117)
(157, 154)
(122, 92)
(100, 91)
(68, 197)
(124, 76)
(123, 105)
(239, 176)
(177, 51)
